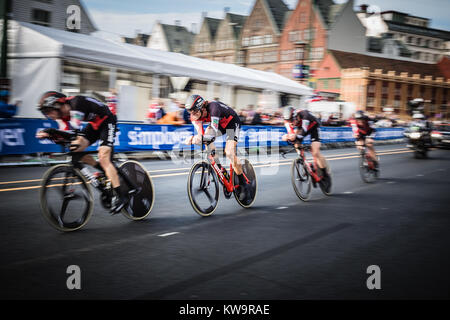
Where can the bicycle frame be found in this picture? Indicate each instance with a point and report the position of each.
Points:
(309, 166)
(365, 155)
(227, 183)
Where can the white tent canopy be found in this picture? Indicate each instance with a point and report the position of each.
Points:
(36, 53)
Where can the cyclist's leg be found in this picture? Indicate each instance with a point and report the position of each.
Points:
(230, 151)
(315, 149)
(370, 149)
(232, 135)
(211, 147)
(104, 158)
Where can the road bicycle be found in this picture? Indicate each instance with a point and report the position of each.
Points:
(304, 174)
(204, 178)
(66, 196)
(368, 169)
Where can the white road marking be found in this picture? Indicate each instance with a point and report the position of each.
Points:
(348, 192)
(167, 234)
(281, 208)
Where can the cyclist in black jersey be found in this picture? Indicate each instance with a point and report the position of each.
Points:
(102, 125)
(299, 124)
(222, 120)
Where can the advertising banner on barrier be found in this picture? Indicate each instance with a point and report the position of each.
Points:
(17, 136)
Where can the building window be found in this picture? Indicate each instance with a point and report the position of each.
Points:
(40, 17)
(302, 17)
(409, 40)
(268, 38)
(437, 44)
(245, 42)
(337, 83)
(270, 56)
(255, 57)
(299, 54)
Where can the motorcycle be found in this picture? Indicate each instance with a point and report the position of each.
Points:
(418, 140)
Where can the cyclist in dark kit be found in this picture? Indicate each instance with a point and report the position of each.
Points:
(102, 126)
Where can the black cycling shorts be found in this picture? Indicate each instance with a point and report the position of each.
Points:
(370, 134)
(314, 132)
(232, 129)
(106, 132)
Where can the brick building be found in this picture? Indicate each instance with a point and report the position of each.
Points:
(374, 83)
(204, 44)
(304, 37)
(227, 42)
(261, 34)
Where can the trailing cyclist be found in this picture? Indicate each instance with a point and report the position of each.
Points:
(299, 124)
(102, 126)
(364, 133)
(222, 120)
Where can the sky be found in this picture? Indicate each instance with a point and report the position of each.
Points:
(124, 18)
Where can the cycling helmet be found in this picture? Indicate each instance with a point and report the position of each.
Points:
(288, 113)
(51, 100)
(418, 116)
(359, 114)
(194, 103)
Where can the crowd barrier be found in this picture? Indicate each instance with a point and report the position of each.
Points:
(17, 136)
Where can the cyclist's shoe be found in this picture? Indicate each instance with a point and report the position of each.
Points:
(245, 191)
(116, 205)
(323, 173)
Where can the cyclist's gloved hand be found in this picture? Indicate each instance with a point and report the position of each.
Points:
(188, 140)
(196, 139)
(73, 147)
(208, 139)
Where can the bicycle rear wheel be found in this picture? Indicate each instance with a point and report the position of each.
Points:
(141, 202)
(66, 198)
(249, 172)
(325, 184)
(301, 180)
(203, 188)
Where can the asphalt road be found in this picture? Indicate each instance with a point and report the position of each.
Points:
(281, 248)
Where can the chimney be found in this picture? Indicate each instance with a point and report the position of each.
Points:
(364, 7)
(177, 23)
(204, 14)
(194, 28)
(226, 10)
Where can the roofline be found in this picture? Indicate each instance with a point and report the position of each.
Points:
(91, 21)
(410, 25)
(405, 14)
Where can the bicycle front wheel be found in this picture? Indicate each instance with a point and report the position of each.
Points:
(66, 198)
(141, 202)
(301, 180)
(203, 188)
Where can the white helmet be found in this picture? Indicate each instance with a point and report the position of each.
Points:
(418, 116)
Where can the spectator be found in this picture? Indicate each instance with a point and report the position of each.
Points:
(7, 110)
(174, 105)
(174, 117)
(257, 120)
(112, 101)
(155, 112)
